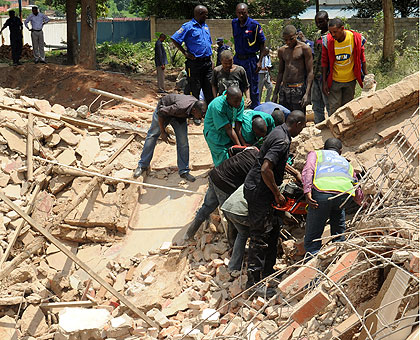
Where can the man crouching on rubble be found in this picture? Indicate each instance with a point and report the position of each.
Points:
(325, 175)
(172, 109)
(261, 189)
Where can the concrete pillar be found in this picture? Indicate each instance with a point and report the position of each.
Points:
(152, 27)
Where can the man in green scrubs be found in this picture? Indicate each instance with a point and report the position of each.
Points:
(252, 126)
(223, 124)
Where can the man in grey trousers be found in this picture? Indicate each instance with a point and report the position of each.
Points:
(37, 20)
(160, 62)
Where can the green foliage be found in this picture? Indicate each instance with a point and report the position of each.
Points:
(277, 8)
(129, 57)
(220, 9)
(369, 8)
(272, 32)
(4, 3)
(118, 9)
(406, 57)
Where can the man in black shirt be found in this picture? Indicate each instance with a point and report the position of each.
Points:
(223, 181)
(16, 40)
(261, 190)
(172, 109)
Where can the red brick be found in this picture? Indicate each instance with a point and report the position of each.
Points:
(343, 265)
(414, 263)
(299, 279)
(311, 305)
(287, 333)
(130, 273)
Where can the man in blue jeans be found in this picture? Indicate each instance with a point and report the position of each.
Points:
(172, 109)
(325, 175)
(224, 179)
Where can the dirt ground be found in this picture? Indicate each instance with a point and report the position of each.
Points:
(69, 85)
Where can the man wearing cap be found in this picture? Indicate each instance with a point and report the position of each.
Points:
(249, 39)
(196, 36)
(37, 20)
(221, 46)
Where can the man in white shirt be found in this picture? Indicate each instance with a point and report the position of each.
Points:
(37, 20)
(264, 75)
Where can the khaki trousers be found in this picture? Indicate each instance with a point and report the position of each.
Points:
(160, 78)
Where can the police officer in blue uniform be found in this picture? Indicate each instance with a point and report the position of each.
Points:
(196, 36)
(249, 39)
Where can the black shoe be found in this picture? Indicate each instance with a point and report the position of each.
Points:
(262, 290)
(162, 91)
(42, 61)
(188, 177)
(36, 61)
(139, 171)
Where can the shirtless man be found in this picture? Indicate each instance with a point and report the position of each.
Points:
(295, 64)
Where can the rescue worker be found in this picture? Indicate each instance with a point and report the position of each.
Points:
(249, 39)
(261, 189)
(196, 36)
(326, 174)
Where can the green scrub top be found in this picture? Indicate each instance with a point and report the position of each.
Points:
(247, 131)
(220, 113)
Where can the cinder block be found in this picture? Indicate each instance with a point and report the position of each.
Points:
(311, 305)
(343, 265)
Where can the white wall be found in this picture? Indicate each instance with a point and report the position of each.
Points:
(55, 32)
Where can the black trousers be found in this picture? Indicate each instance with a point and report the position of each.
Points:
(16, 44)
(264, 236)
(199, 73)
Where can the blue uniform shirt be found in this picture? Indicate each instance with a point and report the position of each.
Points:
(269, 107)
(196, 37)
(248, 39)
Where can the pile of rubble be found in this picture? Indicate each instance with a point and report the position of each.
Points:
(6, 52)
(363, 288)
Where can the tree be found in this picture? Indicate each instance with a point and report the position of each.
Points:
(219, 9)
(389, 31)
(72, 38)
(368, 8)
(88, 34)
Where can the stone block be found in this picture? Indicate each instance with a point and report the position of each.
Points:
(58, 109)
(8, 329)
(67, 157)
(311, 305)
(42, 105)
(33, 322)
(88, 148)
(15, 141)
(161, 319)
(148, 268)
(12, 191)
(69, 137)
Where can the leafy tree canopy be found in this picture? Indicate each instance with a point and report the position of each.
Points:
(219, 9)
(369, 8)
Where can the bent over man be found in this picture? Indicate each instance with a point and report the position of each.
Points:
(172, 109)
(326, 174)
(261, 189)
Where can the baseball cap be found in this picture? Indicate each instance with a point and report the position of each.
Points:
(220, 39)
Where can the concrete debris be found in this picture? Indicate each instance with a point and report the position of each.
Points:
(364, 285)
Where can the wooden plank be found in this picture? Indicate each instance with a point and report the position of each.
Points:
(76, 260)
(30, 148)
(49, 305)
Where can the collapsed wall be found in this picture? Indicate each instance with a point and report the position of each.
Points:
(364, 288)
